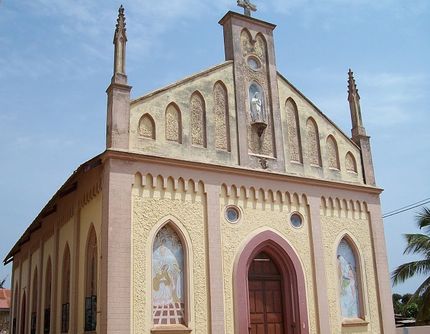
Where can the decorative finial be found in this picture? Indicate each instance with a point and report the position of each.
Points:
(247, 6)
(120, 30)
(352, 87)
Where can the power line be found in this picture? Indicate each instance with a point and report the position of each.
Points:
(406, 208)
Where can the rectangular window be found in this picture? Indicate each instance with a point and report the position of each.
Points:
(65, 309)
(90, 313)
(14, 326)
(47, 321)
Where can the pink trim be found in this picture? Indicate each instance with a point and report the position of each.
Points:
(293, 282)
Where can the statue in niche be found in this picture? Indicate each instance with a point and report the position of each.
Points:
(257, 108)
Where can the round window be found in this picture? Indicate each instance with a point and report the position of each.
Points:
(296, 220)
(254, 63)
(232, 214)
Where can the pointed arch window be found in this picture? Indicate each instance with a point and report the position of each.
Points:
(198, 120)
(168, 278)
(48, 285)
(23, 314)
(351, 301)
(91, 282)
(33, 321)
(65, 291)
(15, 309)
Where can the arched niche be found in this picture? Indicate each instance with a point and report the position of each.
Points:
(169, 277)
(198, 119)
(351, 300)
(293, 131)
(350, 163)
(146, 127)
(313, 142)
(332, 153)
(173, 123)
(221, 111)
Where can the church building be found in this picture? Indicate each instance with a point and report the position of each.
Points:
(224, 203)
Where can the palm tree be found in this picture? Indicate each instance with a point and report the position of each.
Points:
(418, 243)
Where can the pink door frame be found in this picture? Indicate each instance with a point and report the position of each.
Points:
(293, 281)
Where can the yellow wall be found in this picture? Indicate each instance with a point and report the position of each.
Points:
(152, 207)
(259, 215)
(336, 221)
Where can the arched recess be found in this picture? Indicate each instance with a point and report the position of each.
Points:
(23, 313)
(173, 123)
(313, 142)
(168, 277)
(65, 290)
(198, 119)
(293, 290)
(48, 293)
(222, 126)
(178, 228)
(332, 153)
(147, 126)
(34, 300)
(293, 131)
(350, 291)
(350, 163)
(91, 266)
(15, 309)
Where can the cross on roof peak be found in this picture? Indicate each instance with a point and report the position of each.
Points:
(247, 6)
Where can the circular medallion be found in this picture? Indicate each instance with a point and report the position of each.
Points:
(254, 63)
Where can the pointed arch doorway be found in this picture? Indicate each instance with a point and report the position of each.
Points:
(269, 288)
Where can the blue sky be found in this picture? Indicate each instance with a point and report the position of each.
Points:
(56, 62)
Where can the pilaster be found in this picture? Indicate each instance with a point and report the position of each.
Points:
(216, 280)
(115, 291)
(381, 268)
(319, 263)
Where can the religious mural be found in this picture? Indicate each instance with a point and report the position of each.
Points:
(168, 278)
(348, 279)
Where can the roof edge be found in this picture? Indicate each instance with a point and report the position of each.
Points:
(180, 82)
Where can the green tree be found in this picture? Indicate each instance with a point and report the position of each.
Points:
(418, 243)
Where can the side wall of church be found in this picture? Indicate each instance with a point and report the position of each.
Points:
(68, 225)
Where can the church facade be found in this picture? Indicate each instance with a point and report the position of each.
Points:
(224, 203)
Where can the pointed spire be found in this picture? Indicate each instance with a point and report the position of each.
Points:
(352, 86)
(354, 107)
(359, 132)
(119, 40)
(120, 30)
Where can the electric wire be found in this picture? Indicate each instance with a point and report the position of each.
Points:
(407, 208)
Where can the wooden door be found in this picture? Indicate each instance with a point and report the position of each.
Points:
(265, 297)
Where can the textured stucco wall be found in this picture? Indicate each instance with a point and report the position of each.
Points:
(325, 128)
(153, 205)
(336, 222)
(180, 93)
(259, 215)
